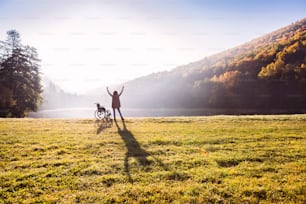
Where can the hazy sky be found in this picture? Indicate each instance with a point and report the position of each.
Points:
(84, 44)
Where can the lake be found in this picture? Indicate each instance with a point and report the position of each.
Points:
(161, 112)
(129, 112)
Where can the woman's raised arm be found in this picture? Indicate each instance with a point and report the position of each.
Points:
(121, 91)
(109, 93)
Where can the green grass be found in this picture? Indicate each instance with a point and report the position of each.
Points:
(218, 159)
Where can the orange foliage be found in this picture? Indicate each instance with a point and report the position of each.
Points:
(229, 78)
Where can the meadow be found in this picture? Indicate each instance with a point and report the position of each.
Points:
(215, 159)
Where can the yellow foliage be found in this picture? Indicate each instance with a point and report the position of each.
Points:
(230, 78)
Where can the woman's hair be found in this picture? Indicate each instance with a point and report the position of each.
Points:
(115, 93)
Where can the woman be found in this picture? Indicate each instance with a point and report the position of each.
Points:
(116, 101)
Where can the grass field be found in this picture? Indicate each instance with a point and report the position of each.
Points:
(217, 159)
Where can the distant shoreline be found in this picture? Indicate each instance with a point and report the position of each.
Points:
(87, 112)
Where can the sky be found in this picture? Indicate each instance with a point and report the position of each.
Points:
(86, 44)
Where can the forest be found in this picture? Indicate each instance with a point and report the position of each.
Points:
(267, 74)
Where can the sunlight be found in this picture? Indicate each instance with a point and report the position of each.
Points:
(89, 44)
(96, 52)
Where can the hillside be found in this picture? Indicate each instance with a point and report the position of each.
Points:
(55, 97)
(264, 74)
(223, 159)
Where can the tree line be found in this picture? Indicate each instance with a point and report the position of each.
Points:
(265, 74)
(20, 81)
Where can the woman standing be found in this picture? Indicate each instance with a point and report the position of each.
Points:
(116, 101)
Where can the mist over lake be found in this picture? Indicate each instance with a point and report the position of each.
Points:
(161, 112)
(130, 112)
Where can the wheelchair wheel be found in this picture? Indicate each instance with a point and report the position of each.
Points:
(99, 115)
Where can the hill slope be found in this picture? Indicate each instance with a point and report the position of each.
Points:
(267, 73)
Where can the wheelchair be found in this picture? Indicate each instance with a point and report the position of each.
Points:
(102, 113)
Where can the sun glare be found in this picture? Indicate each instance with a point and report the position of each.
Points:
(92, 51)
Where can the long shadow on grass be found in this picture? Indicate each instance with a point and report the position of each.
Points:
(103, 124)
(134, 150)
